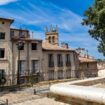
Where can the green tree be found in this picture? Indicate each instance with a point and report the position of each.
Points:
(95, 19)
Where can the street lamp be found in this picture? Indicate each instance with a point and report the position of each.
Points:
(19, 44)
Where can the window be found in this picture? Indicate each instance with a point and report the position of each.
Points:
(21, 34)
(2, 77)
(12, 33)
(50, 60)
(68, 60)
(2, 51)
(34, 46)
(51, 74)
(22, 67)
(35, 66)
(60, 74)
(53, 39)
(49, 39)
(22, 47)
(2, 73)
(3, 22)
(59, 60)
(2, 35)
(68, 73)
(87, 65)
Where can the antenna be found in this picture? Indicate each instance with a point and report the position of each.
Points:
(32, 35)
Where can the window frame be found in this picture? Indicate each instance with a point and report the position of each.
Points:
(2, 35)
(2, 53)
(34, 48)
(68, 62)
(59, 60)
(33, 69)
(50, 60)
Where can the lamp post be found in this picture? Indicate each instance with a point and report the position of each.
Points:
(19, 44)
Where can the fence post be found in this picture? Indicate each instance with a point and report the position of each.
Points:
(34, 91)
(6, 101)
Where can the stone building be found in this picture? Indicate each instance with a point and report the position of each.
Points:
(28, 57)
(87, 64)
(22, 56)
(59, 61)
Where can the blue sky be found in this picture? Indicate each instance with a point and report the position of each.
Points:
(67, 14)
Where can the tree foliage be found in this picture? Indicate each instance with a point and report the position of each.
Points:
(95, 19)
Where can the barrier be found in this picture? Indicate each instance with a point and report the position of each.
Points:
(81, 91)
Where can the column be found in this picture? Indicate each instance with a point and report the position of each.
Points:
(72, 65)
(64, 66)
(55, 67)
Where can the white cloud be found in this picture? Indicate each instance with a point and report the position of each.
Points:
(4, 2)
(40, 13)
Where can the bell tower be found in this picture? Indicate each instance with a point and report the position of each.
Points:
(52, 35)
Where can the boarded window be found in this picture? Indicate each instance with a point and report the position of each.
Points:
(51, 75)
(60, 74)
(22, 67)
(35, 66)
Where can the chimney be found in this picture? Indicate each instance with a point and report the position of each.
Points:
(65, 45)
(32, 35)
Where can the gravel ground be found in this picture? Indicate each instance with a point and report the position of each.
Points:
(100, 85)
(42, 101)
(26, 97)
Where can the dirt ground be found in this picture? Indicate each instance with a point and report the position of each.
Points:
(41, 101)
(27, 98)
(100, 85)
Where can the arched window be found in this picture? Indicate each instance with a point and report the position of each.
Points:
(53, 39)
(49, 39)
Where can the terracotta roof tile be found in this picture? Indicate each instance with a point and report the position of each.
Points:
(84, 59)
(48, 46)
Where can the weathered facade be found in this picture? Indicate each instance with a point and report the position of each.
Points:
(87, 67)
(22, 56)
(87, 64)
(59, 62)
(28, 59)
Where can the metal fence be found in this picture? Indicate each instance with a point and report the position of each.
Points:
(41, 76)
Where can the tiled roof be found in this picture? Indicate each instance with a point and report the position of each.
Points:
(84, 59)
(26, 39)
(48, 46)
(19, 29)
(9, 19)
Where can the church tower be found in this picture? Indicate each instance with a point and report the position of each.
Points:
(52, 35)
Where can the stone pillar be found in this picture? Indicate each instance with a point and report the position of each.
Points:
(55, 67)
(64, 66)
(72, 65)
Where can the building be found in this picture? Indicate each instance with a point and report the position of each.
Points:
(22, 56)
(101, 68)
(27, 59)
(87, 64)
(59, 61)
